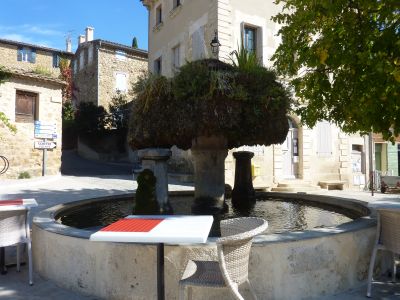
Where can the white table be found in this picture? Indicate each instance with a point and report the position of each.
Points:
(8, 205)
(169, 230)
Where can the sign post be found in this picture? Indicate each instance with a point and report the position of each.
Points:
(45, 130)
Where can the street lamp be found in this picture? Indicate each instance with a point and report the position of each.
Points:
(215, 44)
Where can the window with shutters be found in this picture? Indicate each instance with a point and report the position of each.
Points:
(250, 39)
(324, 139)
(199, 49)
(121, 82)
(90, 54)
(159, 19)
(81, 59)
(158, 66)
(120, 55)
(56, 60)
(26, 105)
(176, 58)
(176, 3)
(26, 54)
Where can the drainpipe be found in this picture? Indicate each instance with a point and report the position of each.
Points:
(371, 162)
(98, 74)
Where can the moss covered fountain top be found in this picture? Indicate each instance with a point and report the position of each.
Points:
(210, 107)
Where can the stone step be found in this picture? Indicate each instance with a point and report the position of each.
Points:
(181, 177)
(291, 183)
(296, 189)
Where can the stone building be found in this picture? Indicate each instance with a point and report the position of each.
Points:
(101, 68)
(32, 93)
(182, 31)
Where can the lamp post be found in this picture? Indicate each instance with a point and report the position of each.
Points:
(215, 44)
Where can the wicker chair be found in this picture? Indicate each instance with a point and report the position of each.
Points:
(387, 238)
(14, 230)
(231, 269)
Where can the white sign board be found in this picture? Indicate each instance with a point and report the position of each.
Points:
(44, 145)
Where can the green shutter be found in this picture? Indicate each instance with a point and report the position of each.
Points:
(393, 164)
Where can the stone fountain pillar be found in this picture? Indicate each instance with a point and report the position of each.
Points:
(155, 159)
(209, 155)
(243, 194)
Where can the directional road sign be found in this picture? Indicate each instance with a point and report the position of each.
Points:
(45, 130)
(45, 145)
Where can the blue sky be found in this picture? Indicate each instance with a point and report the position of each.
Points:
(48, 22)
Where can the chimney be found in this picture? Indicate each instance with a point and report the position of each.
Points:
(81, 39)
(68, 44)
(89, 34)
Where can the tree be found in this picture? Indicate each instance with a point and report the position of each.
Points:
(343, 60)
(4, 75)
(66, 75)
(134, 43)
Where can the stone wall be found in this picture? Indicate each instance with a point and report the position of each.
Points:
(44, 59)
(19, 147)
(86, 77)
(95, 81)
(133, 66)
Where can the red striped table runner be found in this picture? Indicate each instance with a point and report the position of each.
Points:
(133, 225)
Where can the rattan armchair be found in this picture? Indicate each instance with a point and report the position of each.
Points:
(387, 238)
(231, 269)
(14, 231)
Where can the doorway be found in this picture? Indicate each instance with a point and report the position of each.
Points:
(290, 152)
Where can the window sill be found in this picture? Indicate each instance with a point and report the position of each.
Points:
(158, 27)
(175, 11)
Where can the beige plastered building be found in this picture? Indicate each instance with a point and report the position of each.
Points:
(101, 68)
(32, 93)
(181, 31)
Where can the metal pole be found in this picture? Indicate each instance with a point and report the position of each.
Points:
(160, 272)
(3, 269)
(371, 162)
(44, 160)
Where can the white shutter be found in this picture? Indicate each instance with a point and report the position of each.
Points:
(120, 79)
(81, 59)
(176, 57)
(324, 139)
(90, 55)
(198, 44)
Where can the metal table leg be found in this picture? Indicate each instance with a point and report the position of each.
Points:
(160, 272)
(3, 269)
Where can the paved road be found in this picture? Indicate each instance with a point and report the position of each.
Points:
(74, 165)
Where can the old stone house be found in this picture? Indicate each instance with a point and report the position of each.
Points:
(32, 94)
(101, 68)
(182, 30)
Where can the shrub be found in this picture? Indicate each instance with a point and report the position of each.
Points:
(24, 175)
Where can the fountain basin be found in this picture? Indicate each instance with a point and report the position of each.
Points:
(291, 265)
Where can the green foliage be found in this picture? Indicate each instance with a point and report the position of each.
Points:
(119, 111)
(245, 60)
(66, 75)
(41, 70)
(145, 197)
(68, 115)
(91, 119)
(6, 121)
(343, 60)
(207, 97)
(4, 75)
(24, 175)
(134, 43)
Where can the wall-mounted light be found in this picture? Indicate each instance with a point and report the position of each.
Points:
(215, 44)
